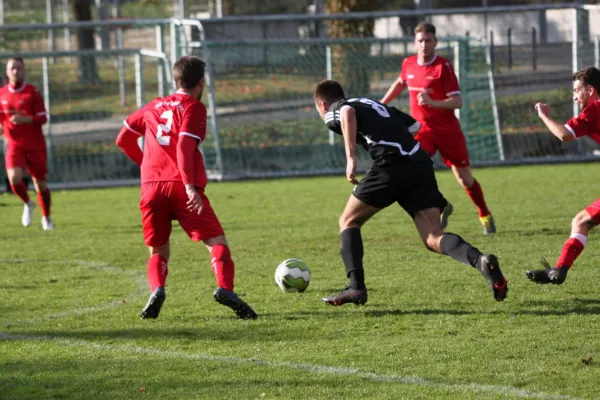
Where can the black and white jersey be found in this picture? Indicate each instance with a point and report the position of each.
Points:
(382, 130)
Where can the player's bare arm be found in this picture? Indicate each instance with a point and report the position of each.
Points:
(394, 91)
(451, 103)
(556, 128)
(349, 127)
(19, 119)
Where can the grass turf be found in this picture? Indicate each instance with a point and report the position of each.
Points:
(431, 329)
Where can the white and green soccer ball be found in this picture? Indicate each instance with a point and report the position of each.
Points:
(292, 275)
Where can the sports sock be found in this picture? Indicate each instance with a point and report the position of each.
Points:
(44, 200)
(157, 271)
(454, 246)
(21, 191)
(352, 254)
(476, 194)
(223, 266)
(571, 250)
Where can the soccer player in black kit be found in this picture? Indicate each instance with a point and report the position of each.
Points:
(401, 172)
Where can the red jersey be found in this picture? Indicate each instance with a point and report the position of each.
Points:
(587, 123)
(438, 79)
(26, 101)
(163, 122)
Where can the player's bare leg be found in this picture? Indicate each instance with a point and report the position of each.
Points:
(44, 199)
(352, 219)
(157, 271)
(224, 269)
(580, 228)
(465, 178)
(15, 177)
(435, 239)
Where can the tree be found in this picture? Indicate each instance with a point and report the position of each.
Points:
(351, 60)
(88, 70)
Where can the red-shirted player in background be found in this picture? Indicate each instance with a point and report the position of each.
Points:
(22, 116)
(173, 179)
(586, 93)
(434, 95)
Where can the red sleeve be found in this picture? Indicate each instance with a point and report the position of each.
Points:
(127, 141)
(193, 122)
(403, 70)
(449, 80)
(186, 147)
(135, 122)
(40, 116)
(585, 123)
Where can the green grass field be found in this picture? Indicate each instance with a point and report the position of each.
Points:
(431, 329)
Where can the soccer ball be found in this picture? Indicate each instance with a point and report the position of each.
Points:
(292, 275)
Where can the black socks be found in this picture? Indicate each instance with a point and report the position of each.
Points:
(352, 253)
(456, 247)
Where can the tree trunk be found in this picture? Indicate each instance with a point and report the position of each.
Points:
(351, 65)
(88, 70)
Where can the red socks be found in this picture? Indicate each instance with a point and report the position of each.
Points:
(44, 200)
(21, 191)
(223, 266)
(571, 250)
(157, 271)
(476, 195)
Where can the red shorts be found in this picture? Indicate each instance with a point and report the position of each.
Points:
(162, 202)
(452, 147)
(594, 210)
(34, 161)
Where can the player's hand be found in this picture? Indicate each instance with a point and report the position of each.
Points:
(351, 172)
(18, 119)
(542, 109)
(194, 203)
(424, 98)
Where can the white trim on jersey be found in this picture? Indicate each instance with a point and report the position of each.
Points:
(42, 113)
(571, 130)
(19, 90)
(190, 135)
(330, 116)
(130, 128)
(394, 144)
(453, 93)
(427, 63)
(414, 128)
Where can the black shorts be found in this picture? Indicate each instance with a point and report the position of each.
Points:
(412, 185)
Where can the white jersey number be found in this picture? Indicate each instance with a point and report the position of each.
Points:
(381, 110)
(165, 128)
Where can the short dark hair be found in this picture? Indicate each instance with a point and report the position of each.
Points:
(16, 58)
(329, 92)
(425, 27)
(188, 71)
(588, 76)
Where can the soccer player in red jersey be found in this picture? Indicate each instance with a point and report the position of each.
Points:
(22, 116)
(173, 179)
(434, 95)
(586, 93)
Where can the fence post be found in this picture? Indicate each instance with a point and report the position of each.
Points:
(139, 81)
(495, 112)
(50, 20)
(492, 48)
(329, 72)
(46, 91)
(597, 52)
(120, 66)
(160, 46)
(509, 38)
(534, 47)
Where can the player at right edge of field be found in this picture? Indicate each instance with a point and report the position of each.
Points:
(586, 93)
(173, 180)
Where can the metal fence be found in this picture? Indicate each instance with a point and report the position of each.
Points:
(259, 88)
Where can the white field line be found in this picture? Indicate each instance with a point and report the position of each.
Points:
(313, 368)
(139, 291)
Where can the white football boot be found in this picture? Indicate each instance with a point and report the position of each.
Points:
(27, 213)
(47, 224)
